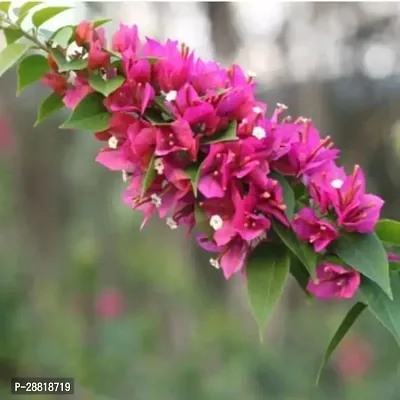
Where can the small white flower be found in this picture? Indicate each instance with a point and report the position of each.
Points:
(257, 110)
(214, 263)
(282, 106)
(156, 200)
(171, 96)
(244, 121)
(113, 142)
(159, 166)
(251, 74)
(171, 223)
(259, 132)
(216, 222)
(125, 176)
(337, 183)
(71, 77)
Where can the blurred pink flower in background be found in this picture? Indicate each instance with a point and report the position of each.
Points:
(110, 303)
(355, 357)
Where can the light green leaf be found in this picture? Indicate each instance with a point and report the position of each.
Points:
(45, 14)
(89, 115)
(384, 309)
(4, 6)
(62, 36)
(105, 87)
(100, 22)
(193, 171)
(266, 271)
(11, 54)
(149, 176)
(64, 65)
(366, 254)
(344, 327)
(31, 69)
(303, 251)
(12, 35)
(50, 105)
(224, 136)
(288, 194)
(394, 266)
(25, 8)
(388, 232)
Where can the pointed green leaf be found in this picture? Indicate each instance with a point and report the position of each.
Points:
(288, 194)
(45, 14)
(11, 54)
(389, 232)
(100, 22)
(12, 35)
(62, 36)
(155, 118)
(4, 6)
(64, 65)
(202, 222)
(25, 8)
(300, 274)
(303, 251)
(344, 327)
(89, 115)
(266, 271)
(50, 105)
(224, 136)
(31, 69)
(105, 87)
(384, 309)
(149, 176)
(366, 254)
(193, 171)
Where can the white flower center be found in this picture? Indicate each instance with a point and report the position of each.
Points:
(159, 166)
(113, 142)
(257, 110)
(124, 176)
(282, 106)
(259, 132)
(214, 263)
(251, 74)
(171, 223)
(156, 200)
(171, 96)
(337, 183)
(216, 222)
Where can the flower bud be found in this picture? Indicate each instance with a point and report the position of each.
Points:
(83, 33)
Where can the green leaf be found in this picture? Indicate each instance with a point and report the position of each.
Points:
(224, 136)
(31, 69)
(25, 8)
(366, 254)
(155, 118)
(11, 54)
(288, 194)
(267, 271)
(45, 14)
(90, 115)
(100, 22)
(12, 35)
(300, 274)
(202, 222)
(193, 171)
(344, 327)
(4, 6)
(105, 87)
(394, 266)
(62, 36)
(385, 310)
(303, 251)
(150, 176)
(64, 65)
(50, 105)
(388, 231)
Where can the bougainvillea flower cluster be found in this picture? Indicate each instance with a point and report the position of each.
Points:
(263, 193)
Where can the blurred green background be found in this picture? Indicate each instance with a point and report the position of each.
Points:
(142, 315)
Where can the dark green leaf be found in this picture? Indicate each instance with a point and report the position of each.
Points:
(389, 232)
(300, 274)
(202, 222)
(288, 194)
(344, 327)
(45, 14)
(89, 115)
(149, 177)
(25, 8)
(303, 251)
(50, 105)
(105, 87)
(11, 54)
(31, 69)
(366, 254)
(224, 136)
(394, 266)
(385, 310)
(4, 6)
(193, 171)
(12, 35)
(161, 103)
(266, 271)
(155, 118)
(62, 36)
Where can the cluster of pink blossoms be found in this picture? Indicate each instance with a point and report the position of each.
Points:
(195, 147)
